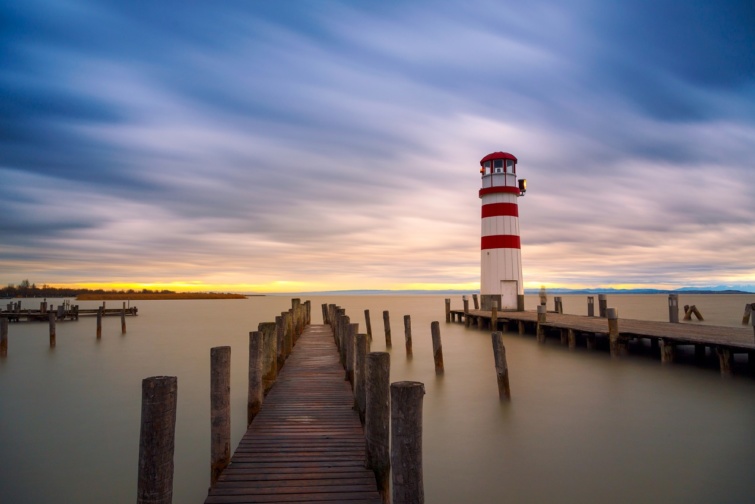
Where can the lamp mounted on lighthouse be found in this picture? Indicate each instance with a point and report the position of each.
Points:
(500, 255)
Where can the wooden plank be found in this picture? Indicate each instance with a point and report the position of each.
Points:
(307, 443)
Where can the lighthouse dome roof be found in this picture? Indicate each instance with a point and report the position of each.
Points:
(497, 155)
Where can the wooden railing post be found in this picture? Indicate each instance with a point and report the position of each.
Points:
(437, 347)
(377, 420)
(256, 387)
(269, 358)
(362, 349)
(406, 442)
(220, 411)
(325, 320)
(157, 440)
(501, 367)
(351, 337)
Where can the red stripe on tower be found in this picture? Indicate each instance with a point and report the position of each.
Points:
(500, 242)
(500, 209)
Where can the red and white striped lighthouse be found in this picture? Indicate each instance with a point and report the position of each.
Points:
(500, 255)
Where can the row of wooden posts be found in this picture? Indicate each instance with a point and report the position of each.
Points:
(52, 317)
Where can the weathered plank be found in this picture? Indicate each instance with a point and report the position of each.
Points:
(306, 444)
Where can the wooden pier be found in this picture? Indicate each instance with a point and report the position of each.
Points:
(63, 312)
(307, 443)
(593, 331)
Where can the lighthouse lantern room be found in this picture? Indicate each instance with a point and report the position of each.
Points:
(501, 282)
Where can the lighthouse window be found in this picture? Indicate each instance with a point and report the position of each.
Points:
(498, 166)
(510, 166)
(487, 167)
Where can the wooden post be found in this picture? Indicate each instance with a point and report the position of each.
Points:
(590, 341)
(748, 312)
(501, 367)
(724, 361)
(752, 319)
(256, 387)
(520, 326)
(280, 342)
(673, 308)
(476, 302)
(617, 344)
(437, 347)
(465, 300)
(602, 304)
(571, 337)
(406, 442)
(558, 306)
(220, 411)
(564, 334)
(387, 324)
(408, 333)
(520, 302)
(699, 353)
(368, 324)
(377, 420)
(269, 356)
(590, 306)
(99, 322)
(325, 319)
(667, 351)
(3, 337)
(351, 354)
(51, 316)
(448, 310)
(494, 316)
(157, 440)
(362, 349)
(345, 323)
(123, 320)
(541, 318)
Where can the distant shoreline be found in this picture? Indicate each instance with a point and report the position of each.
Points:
(142, 296)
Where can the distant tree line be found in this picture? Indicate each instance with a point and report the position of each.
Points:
(30, 290)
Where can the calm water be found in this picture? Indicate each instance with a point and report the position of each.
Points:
(580, 428)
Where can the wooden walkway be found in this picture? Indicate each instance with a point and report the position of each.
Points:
(307, 443)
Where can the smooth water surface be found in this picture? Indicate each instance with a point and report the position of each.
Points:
(581, 427)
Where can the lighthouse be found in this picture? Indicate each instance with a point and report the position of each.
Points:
(500, 252)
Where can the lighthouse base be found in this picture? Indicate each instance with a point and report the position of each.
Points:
(487, 301)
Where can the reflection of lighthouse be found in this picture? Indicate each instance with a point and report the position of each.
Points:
(501, 257)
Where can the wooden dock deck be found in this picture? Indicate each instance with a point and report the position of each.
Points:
(724, 341)
(307, 443)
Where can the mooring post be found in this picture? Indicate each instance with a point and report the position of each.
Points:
(377, 420)
(476, 302)
(3, 337)
(280, 335)
(673, 308)
(220, 411)
(270, 350)
(520, 326)
(667, 351)
(99, 322)
(387, 324)
(541, 319)
(748, 312)
(345, 323)
(408, 333)
(501, 367)
(362, 349)
(157, 440)
(123, 319)
(437, 347)
(51, 317)
(724, 361)
(325, 320)
(602, 304)
(448, 310)
(590, 306)
(558, 306)
(406, 442)
(465, 300)
(618, 345)
(368, 324)
(256, 387)
(351, 353)
(494, 316)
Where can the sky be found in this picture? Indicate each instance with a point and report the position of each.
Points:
(325, 145)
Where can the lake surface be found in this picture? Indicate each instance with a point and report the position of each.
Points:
(580, 428)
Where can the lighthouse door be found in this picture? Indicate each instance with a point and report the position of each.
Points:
(509, 293)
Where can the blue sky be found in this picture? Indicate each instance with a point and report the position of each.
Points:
(310, 145)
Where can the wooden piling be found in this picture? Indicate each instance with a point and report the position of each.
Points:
(99, 322)
(590, 306)
(351, 354)
(408, 333)
(673, 308)
(437, 347)
(123, 319)
(387, 324)
(377, 420)
(748, 313)
(368, 324)
(494, 316)
(280, 342)
(558, 304)
(602, 305)
(360, 359)
(157, 440)
(618, 345)
(476, 302)
(541, 319)
(325, 320)
(406, 442)
(269, 354)
(667, 351)
(690, 310)
(220, 411)
(448, 310)
(501, 367)
(256, 386)
(3, 337)
(465, 300)
(571, 337)
(51, 316)
(724, 361)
